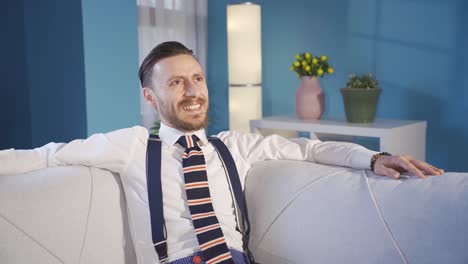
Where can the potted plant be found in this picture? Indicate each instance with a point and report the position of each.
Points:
(309, 96)
(360, 97)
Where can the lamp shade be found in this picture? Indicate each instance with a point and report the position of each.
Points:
(245, 64)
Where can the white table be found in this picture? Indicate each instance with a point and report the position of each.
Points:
(395, 136)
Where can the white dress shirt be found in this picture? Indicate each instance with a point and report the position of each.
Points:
(124, 151)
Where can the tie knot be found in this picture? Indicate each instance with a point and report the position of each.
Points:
(188, 141)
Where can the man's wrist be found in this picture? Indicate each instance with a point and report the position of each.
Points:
(375, 157)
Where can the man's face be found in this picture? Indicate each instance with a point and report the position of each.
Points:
(181, 93)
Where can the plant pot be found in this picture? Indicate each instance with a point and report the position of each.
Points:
(360, 104)
(309, 99)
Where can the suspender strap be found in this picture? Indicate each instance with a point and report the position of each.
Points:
(153, 180)
(236, 189)
(230, 166)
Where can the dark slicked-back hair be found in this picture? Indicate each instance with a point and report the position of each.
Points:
(161, 51)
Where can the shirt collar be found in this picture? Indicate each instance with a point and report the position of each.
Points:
(170, 135)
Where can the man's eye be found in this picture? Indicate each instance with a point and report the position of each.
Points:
(176, 82)
(199, 79)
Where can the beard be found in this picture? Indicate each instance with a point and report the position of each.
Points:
(194, 122)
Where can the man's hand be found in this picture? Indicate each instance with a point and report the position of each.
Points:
(393, 166)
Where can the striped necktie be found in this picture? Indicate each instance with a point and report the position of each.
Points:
(209, 234)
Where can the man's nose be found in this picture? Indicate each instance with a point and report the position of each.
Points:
(192, 89)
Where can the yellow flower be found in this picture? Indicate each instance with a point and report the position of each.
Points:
(306, 64)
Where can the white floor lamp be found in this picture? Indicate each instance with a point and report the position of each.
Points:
(245, 64)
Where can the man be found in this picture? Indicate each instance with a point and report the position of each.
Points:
(174, 84)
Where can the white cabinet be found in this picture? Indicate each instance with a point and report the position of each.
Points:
(395, 136)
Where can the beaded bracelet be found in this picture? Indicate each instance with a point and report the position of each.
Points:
(375, 157)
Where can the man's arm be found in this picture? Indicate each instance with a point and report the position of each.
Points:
(14, 161)
(109, 151)
(254, 147)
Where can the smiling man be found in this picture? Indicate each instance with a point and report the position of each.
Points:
(201, 219)
(182, 99)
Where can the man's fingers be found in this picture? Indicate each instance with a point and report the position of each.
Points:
(441, 171)
(421, 165)
(404, 163)
(426, 167)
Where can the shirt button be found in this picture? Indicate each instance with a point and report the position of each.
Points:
(196, 260)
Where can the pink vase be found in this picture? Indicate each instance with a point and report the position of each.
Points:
(309, 99)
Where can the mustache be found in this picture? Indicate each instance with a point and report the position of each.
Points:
(199, 100)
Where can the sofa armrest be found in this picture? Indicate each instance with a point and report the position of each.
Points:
(302, 211)
(64, 215)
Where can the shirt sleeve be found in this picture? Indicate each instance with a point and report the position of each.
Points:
(110, 151)
(254, 148)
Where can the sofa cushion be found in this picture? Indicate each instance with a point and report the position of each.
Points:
(303, 211)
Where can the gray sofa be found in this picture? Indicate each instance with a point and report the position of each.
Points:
(300, 213)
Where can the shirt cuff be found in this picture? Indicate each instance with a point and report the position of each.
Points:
(361, 158)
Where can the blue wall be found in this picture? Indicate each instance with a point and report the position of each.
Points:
(42, 76)
(69, 69)
(110, 33)
(14, 115)
(217, 74)
(415, 48)
(55, 70)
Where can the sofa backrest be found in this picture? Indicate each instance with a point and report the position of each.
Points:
(64, 215)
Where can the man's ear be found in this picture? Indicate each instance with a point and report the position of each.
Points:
(150, 98)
